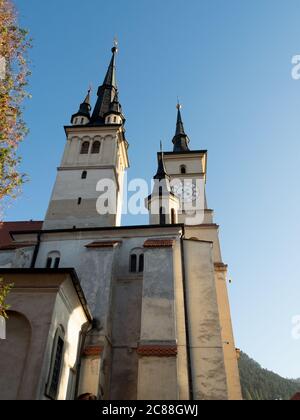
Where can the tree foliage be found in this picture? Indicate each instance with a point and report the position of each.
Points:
(4, 290)
(14, 44)
(261, 384)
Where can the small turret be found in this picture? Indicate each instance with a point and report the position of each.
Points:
(115, 114)
(162, 204)
(83, 116)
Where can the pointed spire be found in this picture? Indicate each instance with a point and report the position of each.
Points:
(161, 169)
(110, 78)
(115, 106)
(106, 93)
(180, 140)
(85, 108)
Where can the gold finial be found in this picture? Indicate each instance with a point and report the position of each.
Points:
(178, 106)
(116, 45)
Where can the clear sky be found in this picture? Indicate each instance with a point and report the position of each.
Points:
(229, 61)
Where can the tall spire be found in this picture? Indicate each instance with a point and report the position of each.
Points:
(180, 140)
(110, 78)
(106, 93)
(161, 169)
(84, 109)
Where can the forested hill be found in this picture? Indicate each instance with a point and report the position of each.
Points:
(261, 384)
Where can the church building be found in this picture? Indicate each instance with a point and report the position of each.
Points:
(121, 312)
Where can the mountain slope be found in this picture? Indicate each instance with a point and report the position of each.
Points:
(261, 384)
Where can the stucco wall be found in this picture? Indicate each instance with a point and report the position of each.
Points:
(44, 301)
(206, 347)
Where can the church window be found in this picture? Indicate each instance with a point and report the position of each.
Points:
(183, 169)
(96, 147)
(133, 263)
(79, 201)
(115, 119)
(56, 364)
(173, 217)
(84, 175)
(82, 120)
(56, 262)
(85, 148)
(49, 262)
(141, 263)
(162, 216)
(53, 260)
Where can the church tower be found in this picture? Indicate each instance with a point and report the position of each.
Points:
(162, 204)
(187, 171)
(96, 151)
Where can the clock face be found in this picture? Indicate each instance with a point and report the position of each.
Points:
(186, 191)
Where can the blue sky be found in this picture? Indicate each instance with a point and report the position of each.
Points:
(230, 64)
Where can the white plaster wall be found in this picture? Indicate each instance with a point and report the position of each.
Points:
(206, 347)
(68, 314)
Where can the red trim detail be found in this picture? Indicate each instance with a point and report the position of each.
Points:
(157, 351)
(159, 243)
(93, 351)
(107, 244)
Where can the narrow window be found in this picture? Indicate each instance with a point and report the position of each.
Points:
(183, 169)
(141, 263)
(115, 119)
(96, 147)
(56, 365)
(162, 216)
(56, 262)
(160, 191)
(76, 120)
(173, 217)
(133, 263)
(49, 262)
(79, 201)
(82, 120)
(85, 148)
(84, 175)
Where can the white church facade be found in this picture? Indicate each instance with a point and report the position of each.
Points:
(120, 312)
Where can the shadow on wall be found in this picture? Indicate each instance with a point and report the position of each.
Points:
(13, 355)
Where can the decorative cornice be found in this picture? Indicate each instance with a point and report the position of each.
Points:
(221, 267)
(106, 244)
(159, 243)
(92, 351)
(157, 351)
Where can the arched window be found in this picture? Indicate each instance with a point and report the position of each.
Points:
(79, 201)
(85, 148)
(162, 216)
(183, 169)
(53, 260)
(141, 263)
(115, 119)
(82, 120)
(96, 147)
(136, 262)
(84, 175)
(56, 364)
(173, 217)
(133, 263)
